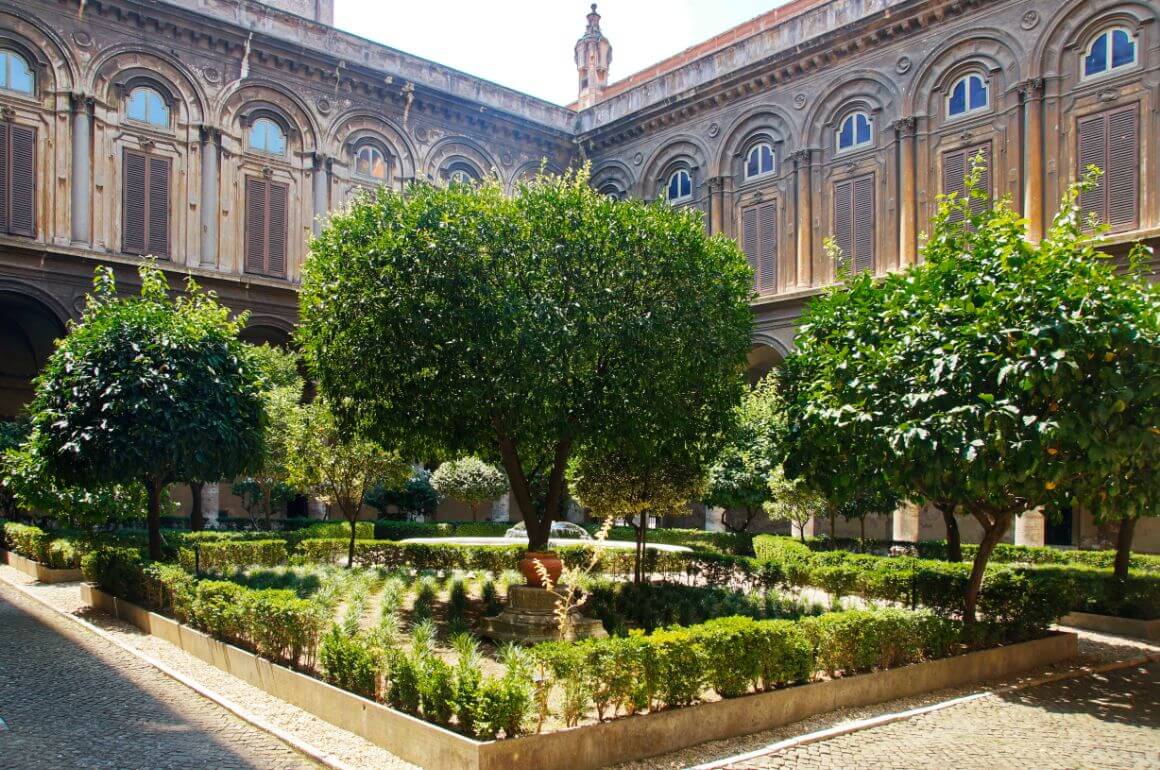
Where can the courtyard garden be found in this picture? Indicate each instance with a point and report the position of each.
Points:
(582, 353)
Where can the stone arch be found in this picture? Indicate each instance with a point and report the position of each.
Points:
(45, 50)
(268, 329)
(530, 170)
(684, 150)
(766, 354)
(121, 65)
(31, 321)
(766, 122)
(462, 149)
(351, 127)
(860, 89)
(1074, 22)
(612, 173)
(992, 51)
(267, 96)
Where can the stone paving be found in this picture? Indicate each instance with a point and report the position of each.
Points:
(1100, 721)
(70, 699)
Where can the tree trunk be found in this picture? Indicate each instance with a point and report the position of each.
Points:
(538, 522)
(153, 489)
(1124, 547)
(833, 526)
(196, 514)
(862, 526)
(992, 534)
(350, 550)
(267, 504)
(954, 542)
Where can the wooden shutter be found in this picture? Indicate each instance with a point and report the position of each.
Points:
(266, 222)
(759, 235)
(854, 221)
(255, 224)
(864, 223)
(5, 176)
(1110, 140)
(157, 206)
(276, 203)
(19, 179)
(133, 198)
(956, 166)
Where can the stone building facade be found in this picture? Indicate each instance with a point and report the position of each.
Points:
(216, 133)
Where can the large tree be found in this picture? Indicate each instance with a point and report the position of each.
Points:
(459, 320)
(149, 388)
(739, 476)
(993, 378)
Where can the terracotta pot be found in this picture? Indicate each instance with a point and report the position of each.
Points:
(551, 563)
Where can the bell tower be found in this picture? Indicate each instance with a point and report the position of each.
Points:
(593, 55)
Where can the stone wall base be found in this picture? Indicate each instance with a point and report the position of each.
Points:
(1110, 624)
(37, 570)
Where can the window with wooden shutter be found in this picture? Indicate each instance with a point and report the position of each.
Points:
(759, 236)
(956, 164)
(854, 221)
(145, 204)
(18, 180)
(1110, 140)
(266, 227)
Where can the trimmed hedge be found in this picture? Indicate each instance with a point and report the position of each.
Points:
(386, 529)
(48, 548)
(1017, 601)
(228, 555)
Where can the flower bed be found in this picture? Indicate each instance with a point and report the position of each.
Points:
(1012, 595)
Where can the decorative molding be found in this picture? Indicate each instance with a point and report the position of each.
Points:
(714, 130)
(906, 126)
(800, 101)
(1030, 20)
(903, 65)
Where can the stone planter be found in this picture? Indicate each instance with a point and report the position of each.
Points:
(530, 618)
(590, 746)
(1111, 624)
(37, 570)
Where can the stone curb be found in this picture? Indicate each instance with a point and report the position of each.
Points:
(884, 719)
(313, 752)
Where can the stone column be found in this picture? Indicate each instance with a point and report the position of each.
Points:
(210, 503)
(905, 523)
(716, 215)
(714, 519)
(501, 509)
(1031, 528)
(321, 190)
(907, 195)
(210, 172)
(1032, 92)
(805, 219)
(82, 173)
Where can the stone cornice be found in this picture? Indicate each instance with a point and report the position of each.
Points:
(623, 118)
(314, 52)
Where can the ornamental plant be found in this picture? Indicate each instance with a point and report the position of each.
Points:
(522, 329)
(148, 389)
(739, 476)
(469, 480)
(998, 376)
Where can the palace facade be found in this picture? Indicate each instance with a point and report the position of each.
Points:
(215, 135)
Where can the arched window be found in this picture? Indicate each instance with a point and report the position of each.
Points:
(461, 173)
(855, 131)
(15, 74)
(970, 93)
(759, 161)
(267, 136)
(612, 191)
(1111, 50)
(680, 187)
(370, 162)
(146, 105)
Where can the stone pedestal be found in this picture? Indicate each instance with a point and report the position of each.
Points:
(530, 617)
(501, 509)
(905, 523)
(210, 503)
(1030, 528)
(714, 519)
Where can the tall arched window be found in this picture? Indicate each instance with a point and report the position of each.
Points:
(680, 187)
(15, 74)
(970, 93)
(759, 160)
(370, 162)
(1111, 50)
(267, 136)
(146, 105)
(855, 131)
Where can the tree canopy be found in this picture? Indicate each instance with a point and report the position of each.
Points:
(459, 320)
(469, 480)
(151, 389)
(996, 377)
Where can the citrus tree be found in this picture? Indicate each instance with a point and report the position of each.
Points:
(150, 389)
(793, 501)
(459, 320)
(995, 378)
(469, 480)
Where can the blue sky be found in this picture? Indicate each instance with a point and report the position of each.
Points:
(527, 44)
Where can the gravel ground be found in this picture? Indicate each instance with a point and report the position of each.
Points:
(340, 744)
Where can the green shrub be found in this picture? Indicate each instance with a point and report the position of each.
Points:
(118, 571)
(402, 682)
(436, 690)
(480, 528)
(349, 662)
(502, 705)
(385, 529)
(225, 556)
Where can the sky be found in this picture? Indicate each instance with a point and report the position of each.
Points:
(528, 44)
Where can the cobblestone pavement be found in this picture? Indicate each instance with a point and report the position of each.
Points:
(1100, 721)
(70, 699)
